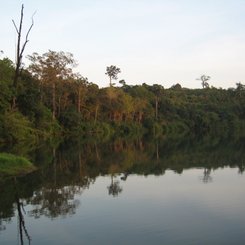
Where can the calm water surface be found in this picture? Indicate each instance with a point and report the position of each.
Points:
(137, 194)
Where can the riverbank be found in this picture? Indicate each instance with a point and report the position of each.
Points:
(11, 165)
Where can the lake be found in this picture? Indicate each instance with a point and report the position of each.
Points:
(168, 191)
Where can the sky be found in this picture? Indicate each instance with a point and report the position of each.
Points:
(151, 41)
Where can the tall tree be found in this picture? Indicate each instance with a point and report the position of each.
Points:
(112, 72)
(50, 68)
(19, 51)
(158, 92)
(81, 83)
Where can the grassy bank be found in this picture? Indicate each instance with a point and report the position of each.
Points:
(14, 165)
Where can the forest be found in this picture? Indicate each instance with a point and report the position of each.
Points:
(50, 100)
(75, 155)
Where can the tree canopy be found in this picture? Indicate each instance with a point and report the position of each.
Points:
(53, 99)
(112, 72)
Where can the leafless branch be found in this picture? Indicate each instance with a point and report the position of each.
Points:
(15, 27)
(20, 50)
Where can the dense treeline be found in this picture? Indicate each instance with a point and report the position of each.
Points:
(51, 99)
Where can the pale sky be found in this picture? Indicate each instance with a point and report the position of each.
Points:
(152, 41)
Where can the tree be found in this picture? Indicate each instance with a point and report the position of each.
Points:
(176, 86)
(19, 50)
(50, 68)
(240, 87)
(123, 82)
(94, 100)
(112, 72)
(81, 83)
(204, 80)
(158, 92)
(6, 79)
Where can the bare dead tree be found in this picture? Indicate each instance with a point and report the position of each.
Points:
(20, 50)
(204, 80)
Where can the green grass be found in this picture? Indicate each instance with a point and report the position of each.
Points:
(14, 165)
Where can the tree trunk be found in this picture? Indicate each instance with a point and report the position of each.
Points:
(97, 152)
(110, 82)
(96, 113)
(54, 165)
(157, 151)
(53, 100)
(19, 52)
(41, 91)
(156, 108)
(80, 163)
(140, 117)
(59, 106)
(79, 100)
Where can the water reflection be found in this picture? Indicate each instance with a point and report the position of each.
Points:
(13, 205)
(114, 188)
(53, 202)
(66, 171)
(22, 230)
(206, 178)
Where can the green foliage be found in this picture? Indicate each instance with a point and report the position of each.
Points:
(52, 99)
(112, 72)
(14, 165)
(5, 96)
(6, 80)
(46, 126)
(102, 131)
(129, 130)
(70, 119)
(28, 98)
(16, 128)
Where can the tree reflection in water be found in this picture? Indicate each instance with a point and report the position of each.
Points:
(21, 221)
(206, 178)
(241, 168)
(114, 188)
(55, 202)
(65, 172)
